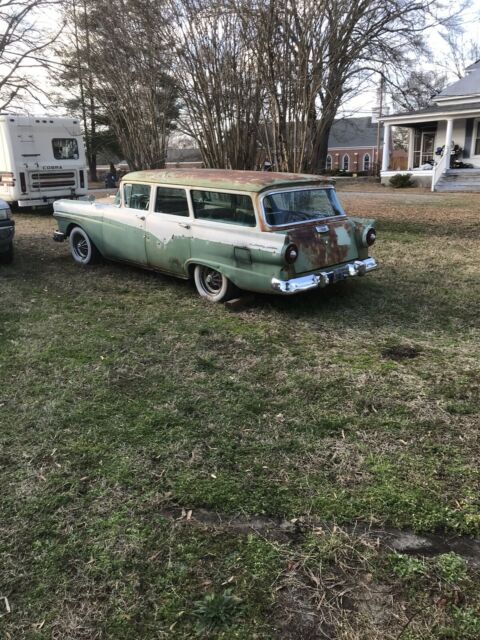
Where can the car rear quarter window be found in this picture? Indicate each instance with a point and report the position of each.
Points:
(300, 205)
(229, 208)
(136, 196)
(171, 201)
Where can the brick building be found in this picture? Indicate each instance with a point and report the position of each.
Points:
(352, 145)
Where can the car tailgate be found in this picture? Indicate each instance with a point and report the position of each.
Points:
(323, 243)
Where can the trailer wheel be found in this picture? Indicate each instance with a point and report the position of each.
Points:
(83, 251)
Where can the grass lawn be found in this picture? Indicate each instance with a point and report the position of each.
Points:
(173, 469)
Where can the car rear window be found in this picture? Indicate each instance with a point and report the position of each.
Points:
(229, 208)
(300, 205)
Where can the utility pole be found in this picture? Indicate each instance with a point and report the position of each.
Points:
(379, 124)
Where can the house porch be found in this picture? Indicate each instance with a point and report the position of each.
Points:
(428, 139)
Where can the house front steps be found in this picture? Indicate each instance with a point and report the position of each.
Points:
(459, 180)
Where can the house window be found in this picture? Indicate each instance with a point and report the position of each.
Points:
(328, 163)
(345, 162)
(366, 162)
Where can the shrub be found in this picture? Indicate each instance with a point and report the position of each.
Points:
(401, 180)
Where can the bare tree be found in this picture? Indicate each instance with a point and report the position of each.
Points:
(274, 71)
(416, 89)
(363, 38)
(76, 76)
(315, 54)
(287, 38)
(22, 43)
(122, 69)
(133, 81)
(461, 52)
(218, 76)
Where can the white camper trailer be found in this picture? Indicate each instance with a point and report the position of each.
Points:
(42, 158)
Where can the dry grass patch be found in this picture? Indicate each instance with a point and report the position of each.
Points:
(129, 398)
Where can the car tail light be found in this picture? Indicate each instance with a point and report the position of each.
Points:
(7, 178)
(371, 236)
(291, 253)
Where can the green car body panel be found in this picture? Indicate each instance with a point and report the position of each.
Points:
(252, 257)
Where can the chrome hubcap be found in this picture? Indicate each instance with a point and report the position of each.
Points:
(81, 247)
(211, 280)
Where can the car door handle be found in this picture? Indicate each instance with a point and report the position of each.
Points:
(185, 225)
(141, 217)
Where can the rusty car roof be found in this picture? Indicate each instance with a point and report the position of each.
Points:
(225, 178)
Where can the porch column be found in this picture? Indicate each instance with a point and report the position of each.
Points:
(411, 147)
(386, 148)
(448, 143)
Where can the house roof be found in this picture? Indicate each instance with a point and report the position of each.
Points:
(354, 132)
(467, 90)
(434, 110)
(252, 181)
(467, 86)
(475, 65)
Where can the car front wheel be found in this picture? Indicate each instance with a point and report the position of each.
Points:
(212, 284)
(82, 248)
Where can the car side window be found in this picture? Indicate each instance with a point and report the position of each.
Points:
(136, 196)
(171, 201)
(230, 208)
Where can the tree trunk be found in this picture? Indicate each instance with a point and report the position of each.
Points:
(320, 145)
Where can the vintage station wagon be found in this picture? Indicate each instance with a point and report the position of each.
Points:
(278, 233)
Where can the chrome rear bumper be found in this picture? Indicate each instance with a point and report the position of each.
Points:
(324, 278)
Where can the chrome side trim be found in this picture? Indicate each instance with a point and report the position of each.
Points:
(324, 278)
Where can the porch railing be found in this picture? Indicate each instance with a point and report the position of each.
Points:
(439, 168)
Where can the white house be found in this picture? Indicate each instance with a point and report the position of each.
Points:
(444, 138)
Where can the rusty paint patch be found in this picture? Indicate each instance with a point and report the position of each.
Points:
(224, 179)
(318, 250)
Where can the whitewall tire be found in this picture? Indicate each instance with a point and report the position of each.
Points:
(212, 285)
(82, 248)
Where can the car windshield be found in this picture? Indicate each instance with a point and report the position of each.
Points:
(300, 205)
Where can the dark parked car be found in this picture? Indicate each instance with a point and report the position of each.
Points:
(7, 231)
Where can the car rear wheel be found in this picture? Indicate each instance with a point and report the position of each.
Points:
(82, 248)
(212, 284)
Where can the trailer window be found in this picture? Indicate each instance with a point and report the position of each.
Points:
(65, 148)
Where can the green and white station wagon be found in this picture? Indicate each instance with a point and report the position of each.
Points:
(268, 232)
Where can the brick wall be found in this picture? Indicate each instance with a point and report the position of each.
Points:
(355, 158)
